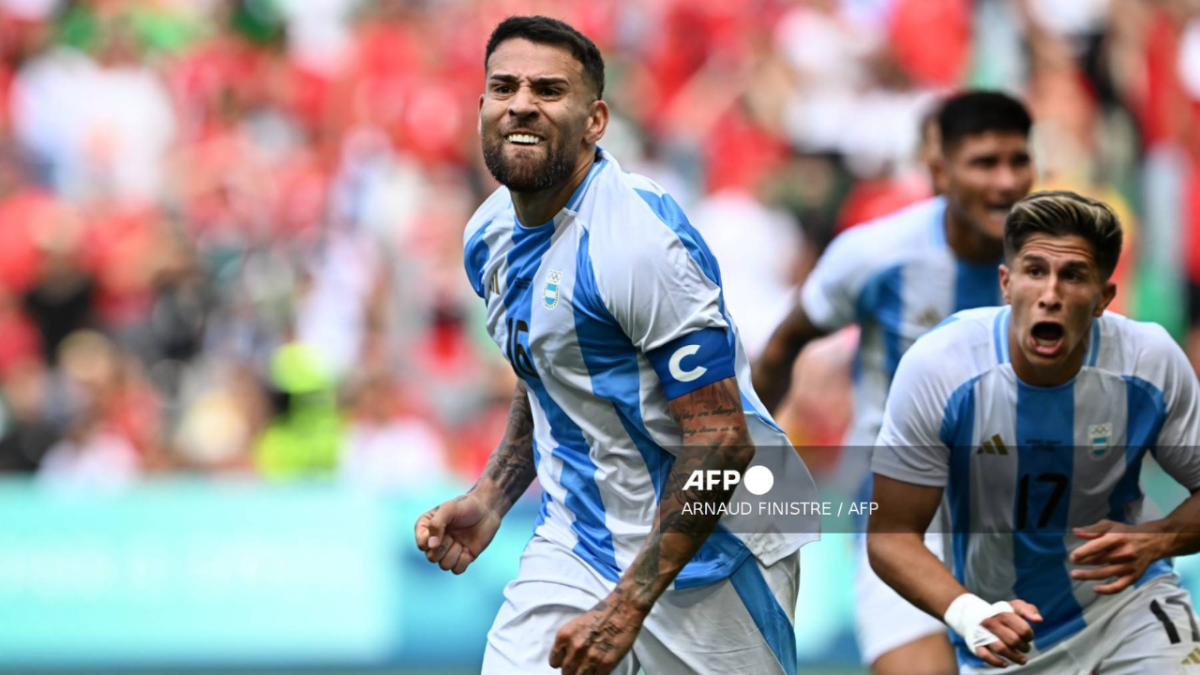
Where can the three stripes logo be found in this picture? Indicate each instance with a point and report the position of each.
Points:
(1192, 659)
(994, 446)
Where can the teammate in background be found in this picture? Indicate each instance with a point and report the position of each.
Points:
(898, 277)
(608, 306)
(1034, 420)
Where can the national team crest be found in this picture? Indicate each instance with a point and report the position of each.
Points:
(550, 294)
(1098, 435)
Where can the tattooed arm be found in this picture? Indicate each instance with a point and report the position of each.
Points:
(454, 533)
(715, 437)
(510, 470)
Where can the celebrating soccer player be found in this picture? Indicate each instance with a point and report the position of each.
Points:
(608, 306)
(898, 277)
(1034, 419)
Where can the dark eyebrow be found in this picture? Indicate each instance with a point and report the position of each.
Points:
(1072, 264)
(543, 81)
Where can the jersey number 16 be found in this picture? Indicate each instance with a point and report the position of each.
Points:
(518, 356)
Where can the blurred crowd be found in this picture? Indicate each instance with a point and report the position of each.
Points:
(230, 230)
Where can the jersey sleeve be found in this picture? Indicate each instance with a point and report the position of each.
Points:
(475, 246)
(665, 296)
(830, 292)
(1178, 446)
(475, 254)
(918, 421)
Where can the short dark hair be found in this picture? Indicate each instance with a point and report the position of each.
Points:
(977, 112)
(546, 31)
(1060, 213)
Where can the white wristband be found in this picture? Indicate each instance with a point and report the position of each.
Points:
(966, 614)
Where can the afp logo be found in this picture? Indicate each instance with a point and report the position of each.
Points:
(759, 480)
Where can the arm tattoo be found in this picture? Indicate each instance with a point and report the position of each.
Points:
(715, 437)
(511, 469)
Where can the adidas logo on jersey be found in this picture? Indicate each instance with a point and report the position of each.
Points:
(1192, 659)
(995, 446)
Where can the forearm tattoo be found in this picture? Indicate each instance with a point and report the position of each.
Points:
(511, 468)
(715, 437)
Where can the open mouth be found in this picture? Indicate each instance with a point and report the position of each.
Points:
(523, 139)
(1000, 210)
(1046, 338)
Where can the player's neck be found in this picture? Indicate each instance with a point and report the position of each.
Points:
(1044, 376)
(968, 243)
(539, 208)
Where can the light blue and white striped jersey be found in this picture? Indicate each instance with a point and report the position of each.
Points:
(606, 313)
(895, 277)
(1022, 465)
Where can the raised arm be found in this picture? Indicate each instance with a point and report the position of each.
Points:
(715, 437)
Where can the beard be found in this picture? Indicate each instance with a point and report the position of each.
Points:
(527, 175)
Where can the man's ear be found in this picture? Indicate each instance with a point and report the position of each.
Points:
(479, 118)
(1005, 279)
(1106, 298)
(938, 172)
(597, 122)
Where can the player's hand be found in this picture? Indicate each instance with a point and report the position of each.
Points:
(1015, 633)
(593, 644)
(1118, 551)
(454, 533)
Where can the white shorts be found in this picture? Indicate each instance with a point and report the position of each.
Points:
(883, 620)
(1154, 633)
(740, 625)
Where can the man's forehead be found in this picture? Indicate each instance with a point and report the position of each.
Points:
(521, 58)
(1064, 248)
(992, 141)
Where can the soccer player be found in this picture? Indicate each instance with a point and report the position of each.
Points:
(898, 277)
(1033, 420)
(608, 306)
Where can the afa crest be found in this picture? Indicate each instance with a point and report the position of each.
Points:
(1098, 435)
(550, 293)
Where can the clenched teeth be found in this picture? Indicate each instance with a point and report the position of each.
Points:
(523, 139)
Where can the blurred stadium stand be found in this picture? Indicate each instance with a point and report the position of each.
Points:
(238, 354)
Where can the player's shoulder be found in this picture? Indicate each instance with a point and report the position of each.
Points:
(475, 243)
(1137, 348)
(498, 204)
(632, 221)
(913, 229)
(1131, 334)
(876, 247)
(631, 207)
(961, 347)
